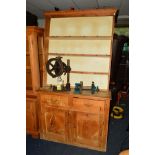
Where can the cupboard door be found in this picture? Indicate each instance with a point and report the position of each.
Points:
(54, 125)
(86, 129)
(31, 118)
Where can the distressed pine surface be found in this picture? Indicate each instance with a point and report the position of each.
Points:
(80, 120)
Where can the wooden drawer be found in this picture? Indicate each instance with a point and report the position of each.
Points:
(54, 100)
(88, 105)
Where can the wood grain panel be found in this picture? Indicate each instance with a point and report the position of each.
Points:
(83, 123)
(40, 44)
(28, 79)
(55, 125)
(46, 45)
(105, 124)
(27, 45)
(29, 122)
(80, 46)
(85, 129)
(34, 61)
(31, 116)
(41, 62)
(54, 100)
(27, 60)
(81, 26)
(34, 46)
(87, 105)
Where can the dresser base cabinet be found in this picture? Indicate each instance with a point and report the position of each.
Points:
(77, 120)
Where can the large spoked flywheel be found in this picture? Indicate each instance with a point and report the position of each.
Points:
(55, 67)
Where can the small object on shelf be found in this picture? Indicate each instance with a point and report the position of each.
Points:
(93, 88)
(81, 86)
(68, 76)
(59, 83)
(67, 87)
(54, 88)
(97, 89)
(59, 86)
(56, 8)
(77, 89)
(51, 87)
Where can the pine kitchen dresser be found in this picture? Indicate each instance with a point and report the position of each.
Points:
(85, 37)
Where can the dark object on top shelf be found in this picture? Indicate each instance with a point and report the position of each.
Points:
(31, 20)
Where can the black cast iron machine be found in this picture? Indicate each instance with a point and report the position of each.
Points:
(55, 68)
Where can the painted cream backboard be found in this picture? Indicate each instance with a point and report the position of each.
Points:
(80, 46)
(67, 39)
(100, 80)
(81, 26)
(87, 64)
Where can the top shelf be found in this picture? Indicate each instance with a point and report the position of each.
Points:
(80, 37)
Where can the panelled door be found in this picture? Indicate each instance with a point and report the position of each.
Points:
(55, 124)
(86, 129)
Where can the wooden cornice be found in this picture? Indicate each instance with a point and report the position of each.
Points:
(34, 29)
(80, 13)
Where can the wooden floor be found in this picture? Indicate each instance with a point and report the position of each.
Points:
(118, 139)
